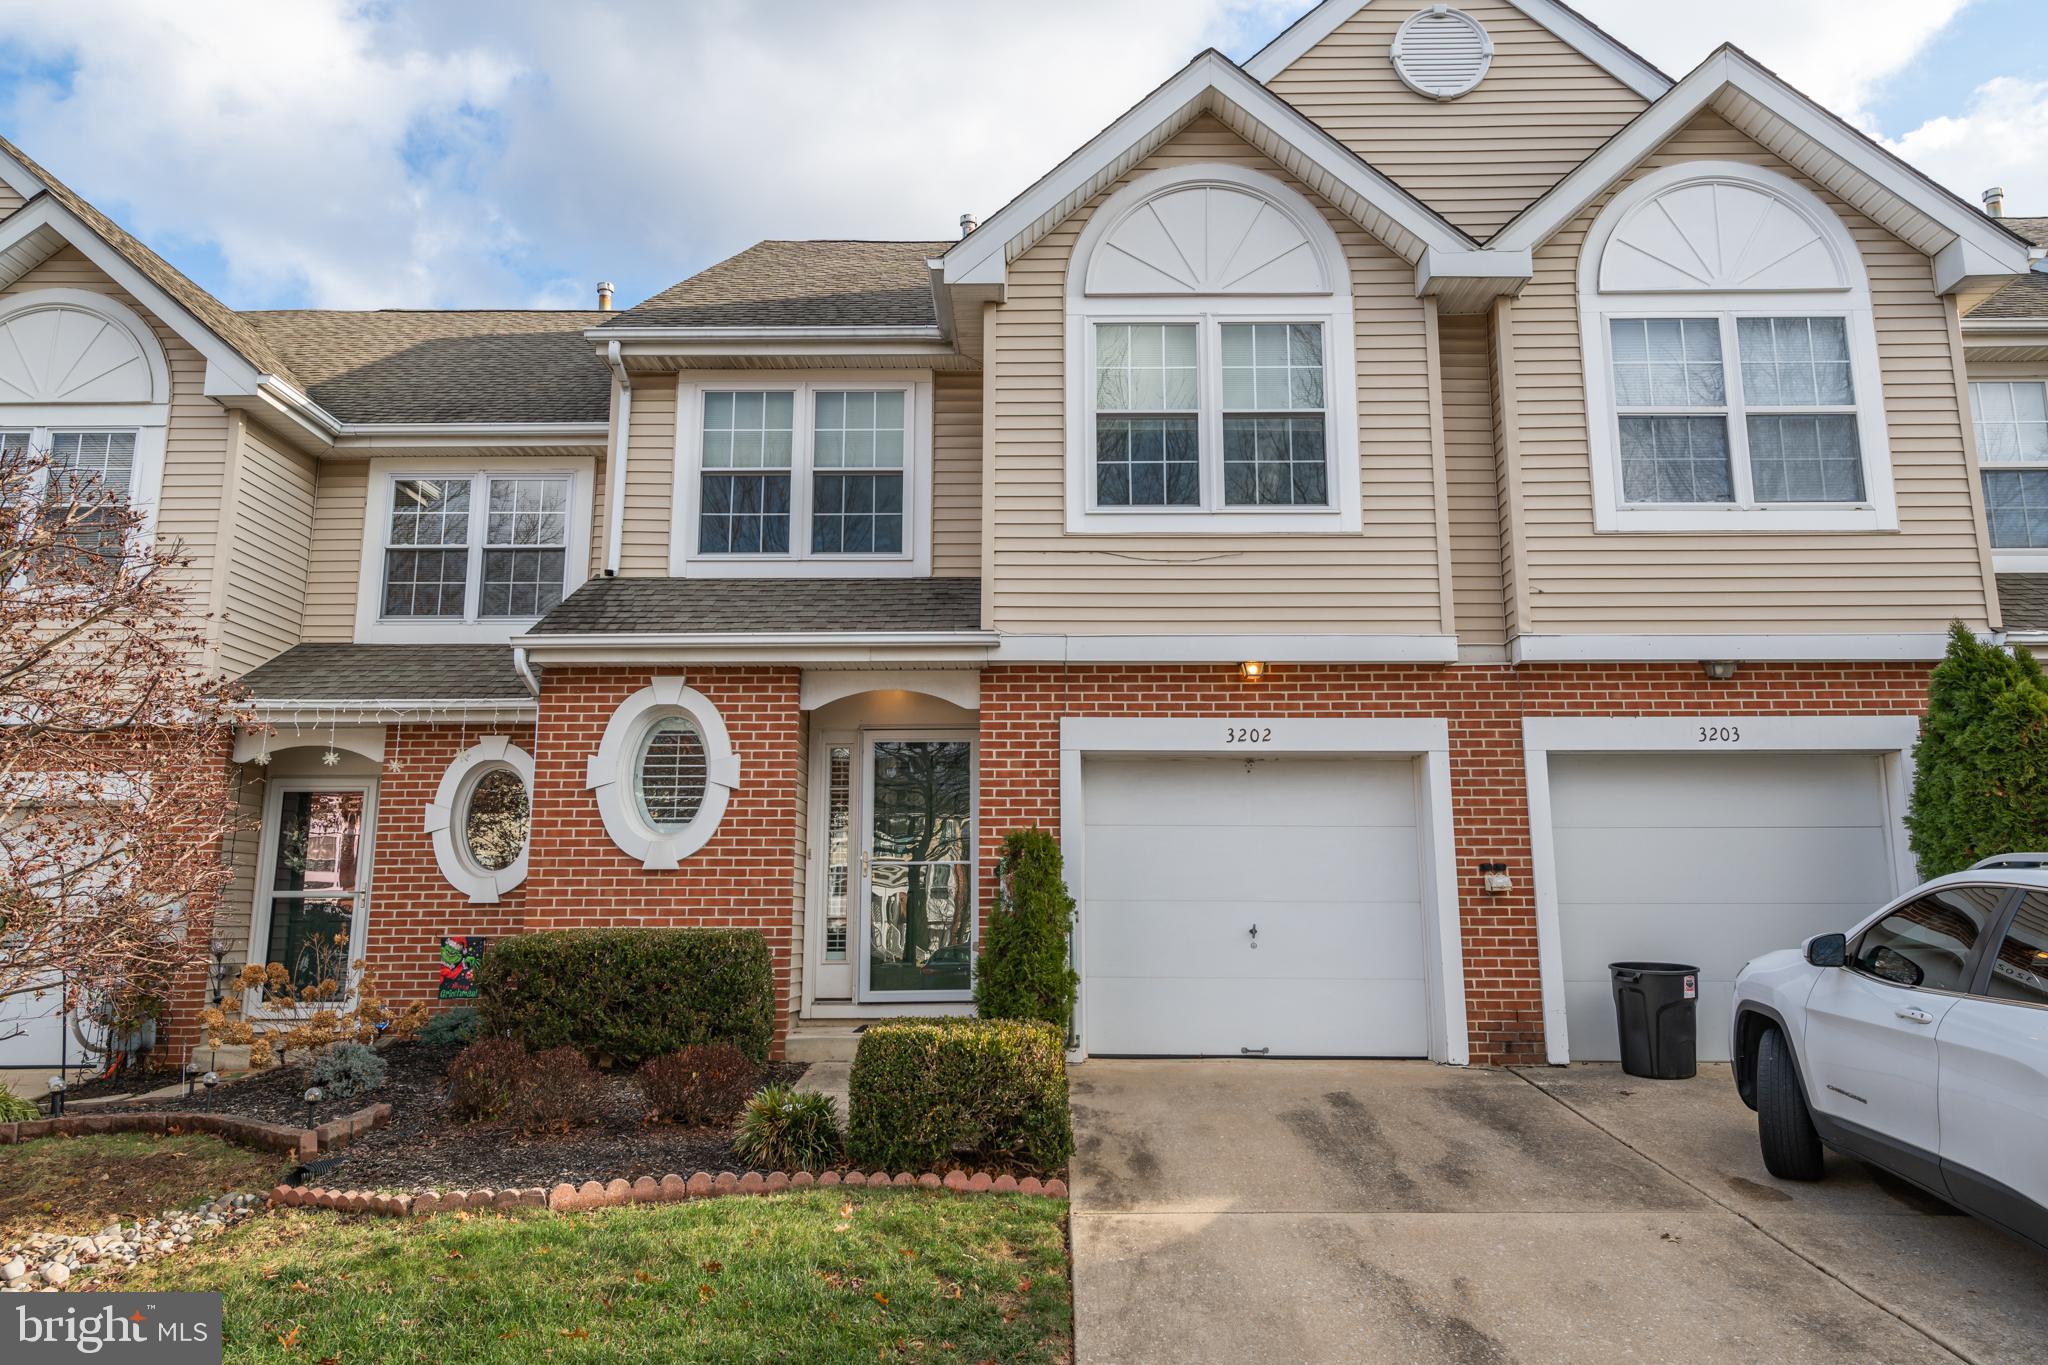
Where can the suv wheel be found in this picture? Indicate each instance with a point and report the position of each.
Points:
(1792, 1149)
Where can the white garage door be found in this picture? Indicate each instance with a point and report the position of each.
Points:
(1709, 859)
(1185, 857)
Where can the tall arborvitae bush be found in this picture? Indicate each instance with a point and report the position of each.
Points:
(1025, 973)
(1980, 780)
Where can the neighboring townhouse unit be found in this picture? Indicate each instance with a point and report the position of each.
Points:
(1422, 514)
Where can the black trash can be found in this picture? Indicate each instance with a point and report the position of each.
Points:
(1656, 1009)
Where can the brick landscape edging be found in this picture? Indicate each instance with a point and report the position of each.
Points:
(276, 1137)
(669, 1189)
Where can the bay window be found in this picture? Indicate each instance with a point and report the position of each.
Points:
(2011, 419)
(823, 475)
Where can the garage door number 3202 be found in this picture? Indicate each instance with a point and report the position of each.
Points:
(1248, 734)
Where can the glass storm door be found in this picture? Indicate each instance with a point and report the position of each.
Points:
(917, 939)
(315, 878)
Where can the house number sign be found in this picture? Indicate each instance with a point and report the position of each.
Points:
(1720, 734)
(1248, 734)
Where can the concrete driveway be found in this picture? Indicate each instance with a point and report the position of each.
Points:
(1340, 1211)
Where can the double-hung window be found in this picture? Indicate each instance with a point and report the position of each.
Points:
(1777, 426)
(471, 547)
(1215, 415)
(822, 476)
(87, 486)
(2012, 447)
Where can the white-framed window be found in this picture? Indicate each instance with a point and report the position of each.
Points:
(1731, 360)
(1211, 380)
(480, 818)
(96, 465)
(663, 773)
(826, 474)
(470, 552)
(2011, 420)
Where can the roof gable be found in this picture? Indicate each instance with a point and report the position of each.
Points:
(1971, 251)
(1579, 32)
(1447, 261)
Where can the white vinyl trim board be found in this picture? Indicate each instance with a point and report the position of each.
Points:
(1889, 738)
(1427, 742)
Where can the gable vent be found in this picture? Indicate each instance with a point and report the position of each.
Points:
(1442, 52)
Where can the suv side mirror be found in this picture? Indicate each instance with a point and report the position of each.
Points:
(1827, 950)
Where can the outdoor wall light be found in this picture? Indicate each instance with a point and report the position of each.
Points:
(1494, 879)
(1252, 670)
(1720, 670)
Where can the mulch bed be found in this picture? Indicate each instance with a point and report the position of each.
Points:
(424, 1147)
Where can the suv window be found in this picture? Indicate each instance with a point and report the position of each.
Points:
(1927, 942)
(2020, 970)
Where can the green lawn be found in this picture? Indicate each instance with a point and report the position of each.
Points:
(80, 1185)
(822, 1275)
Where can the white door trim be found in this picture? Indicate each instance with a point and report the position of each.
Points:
(1890, 738)
(1428, 742)
(266, 875)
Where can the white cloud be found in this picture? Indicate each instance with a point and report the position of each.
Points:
(492, 152)
(1997, 140)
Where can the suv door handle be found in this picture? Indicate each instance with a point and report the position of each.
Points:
(1917, 1016)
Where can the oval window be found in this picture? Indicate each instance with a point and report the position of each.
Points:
(671, 774)
(494, 820)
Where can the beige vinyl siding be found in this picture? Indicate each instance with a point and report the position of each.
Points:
(1383, 581)
(956, 476)
(1917, 579)
(195, 446)
(9, 199)
(1485, 156)
(650, 478)
(269, 551)
(336, 561)
(1471, 473)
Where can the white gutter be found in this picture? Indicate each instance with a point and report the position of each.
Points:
(616, 513)
(524, 670)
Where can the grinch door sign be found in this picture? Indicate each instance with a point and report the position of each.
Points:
(459, 958)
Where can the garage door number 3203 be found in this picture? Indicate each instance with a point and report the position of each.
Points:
(1720, 734)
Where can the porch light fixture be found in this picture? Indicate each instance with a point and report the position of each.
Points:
(1720, 670)
(1252, 670)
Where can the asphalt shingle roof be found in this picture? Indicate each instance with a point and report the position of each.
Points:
(710, 606)
(338, 673)
(216, 316)
(402, 365)
(2023, 298)
(2034, 230)
(801, 284)
(2023, 600)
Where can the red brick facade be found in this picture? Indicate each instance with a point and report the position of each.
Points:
(1021, 709)
(750, 875)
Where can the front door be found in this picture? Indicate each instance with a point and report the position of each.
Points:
(313, 888)
(916, 937)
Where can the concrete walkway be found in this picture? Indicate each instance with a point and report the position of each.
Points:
(1342, 1211)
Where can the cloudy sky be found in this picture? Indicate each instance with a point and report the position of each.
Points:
(507, 153)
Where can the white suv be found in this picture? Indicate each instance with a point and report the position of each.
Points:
(1917, 1041)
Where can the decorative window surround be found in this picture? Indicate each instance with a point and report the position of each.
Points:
(372, 627)
(1648, 256)
(1297, 274)
(96, 370)
(448, 810)
(613, 772)
(915, 558)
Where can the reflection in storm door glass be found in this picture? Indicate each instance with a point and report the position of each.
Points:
(920, 880)
(314, 894)
(838, 851)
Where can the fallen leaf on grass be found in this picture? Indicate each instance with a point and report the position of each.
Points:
(643, 1277)
(1024, 1285)
(705, 1293)
(507, 1336)
(881, 1298)
(713, 1267)
(575, 1333)
(290, 1340)
(301, 1287)
(454, 1255)
(908, 1251)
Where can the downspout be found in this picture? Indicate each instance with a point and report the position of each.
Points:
(525, 670)
(617, 517)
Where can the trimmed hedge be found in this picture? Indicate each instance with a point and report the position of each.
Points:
(630, 994)
(1980, 770)
(1025, 970)
(931, 1093)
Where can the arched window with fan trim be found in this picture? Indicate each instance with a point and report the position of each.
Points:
(1731, 359)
